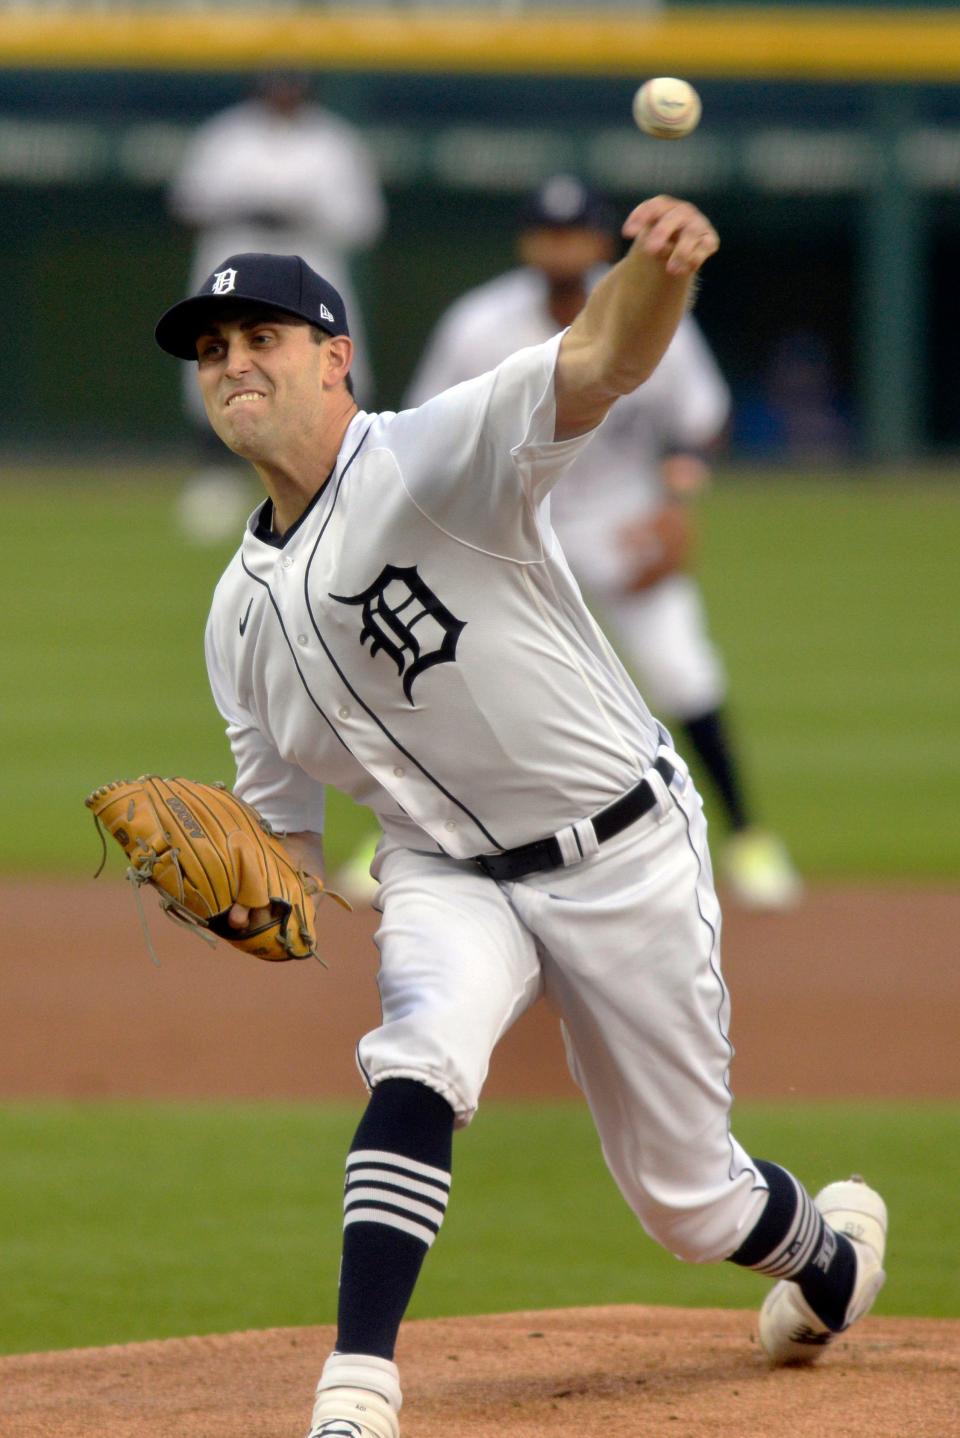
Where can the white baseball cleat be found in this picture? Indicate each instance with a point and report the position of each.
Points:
(790, 1331)
(353, 1413)
(759, 872)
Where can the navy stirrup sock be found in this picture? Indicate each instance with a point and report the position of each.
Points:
(397, 1185)
(791, 1240)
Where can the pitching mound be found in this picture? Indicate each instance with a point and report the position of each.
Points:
(623, 1372)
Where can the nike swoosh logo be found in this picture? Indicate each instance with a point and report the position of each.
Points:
(243, 621)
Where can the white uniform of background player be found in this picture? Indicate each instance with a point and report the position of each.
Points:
(414, 636)
(621, 516)
(275, 173)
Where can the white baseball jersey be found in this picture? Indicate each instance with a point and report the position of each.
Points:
(683, 405)
(417, 640)
(253, 180)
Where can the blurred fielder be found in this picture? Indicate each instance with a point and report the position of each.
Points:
(276, 172)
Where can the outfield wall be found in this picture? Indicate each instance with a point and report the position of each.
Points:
(829, 156)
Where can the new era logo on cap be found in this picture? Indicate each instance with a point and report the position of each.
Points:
(276, 282)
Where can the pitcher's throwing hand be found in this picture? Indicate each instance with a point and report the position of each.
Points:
(674, 231)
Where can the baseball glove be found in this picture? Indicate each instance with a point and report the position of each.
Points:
(658, 546)
(203, 850)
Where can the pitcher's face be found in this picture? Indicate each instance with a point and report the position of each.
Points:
(261, 376)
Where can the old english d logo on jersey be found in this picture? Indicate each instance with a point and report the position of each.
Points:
(395, 602)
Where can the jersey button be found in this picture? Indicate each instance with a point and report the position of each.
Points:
(451, 824)
(398, 771)
(301, 639)
(344, 712)
(287, 562)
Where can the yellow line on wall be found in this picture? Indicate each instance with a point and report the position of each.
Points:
(839, 44)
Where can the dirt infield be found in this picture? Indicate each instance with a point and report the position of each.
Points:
(855, 994)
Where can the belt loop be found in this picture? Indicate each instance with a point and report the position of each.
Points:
(661, 793)
(569, 848)
(577, 842)
(681, 769)
(587, 835)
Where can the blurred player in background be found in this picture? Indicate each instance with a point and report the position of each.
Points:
(280, 174)
(622, 514)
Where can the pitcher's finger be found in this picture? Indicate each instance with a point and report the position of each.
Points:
(646, 214)
(691, 251)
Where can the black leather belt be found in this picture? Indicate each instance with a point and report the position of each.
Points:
(545, 853)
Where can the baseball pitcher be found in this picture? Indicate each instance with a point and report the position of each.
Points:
(400, 622)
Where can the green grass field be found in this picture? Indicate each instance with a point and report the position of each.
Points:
(833, 601)
(132, 1222)
(836, 604)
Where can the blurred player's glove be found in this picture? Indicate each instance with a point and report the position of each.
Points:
(204, 850)
(657, 546)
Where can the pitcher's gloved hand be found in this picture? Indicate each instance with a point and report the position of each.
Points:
(208, 854)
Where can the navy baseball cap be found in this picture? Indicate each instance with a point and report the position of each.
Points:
(565, 201)
(279, 282)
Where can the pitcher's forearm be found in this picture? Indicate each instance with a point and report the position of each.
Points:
(623, 331)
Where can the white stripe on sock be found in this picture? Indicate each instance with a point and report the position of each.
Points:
(390, 1220)
(798, 1246)
(399, 1180)
(397, 1160)
(396, 1200)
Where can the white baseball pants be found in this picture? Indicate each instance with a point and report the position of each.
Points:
(626, 946)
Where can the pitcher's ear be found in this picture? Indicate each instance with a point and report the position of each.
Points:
(339, 351)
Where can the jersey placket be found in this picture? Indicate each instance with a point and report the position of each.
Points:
(355, 721)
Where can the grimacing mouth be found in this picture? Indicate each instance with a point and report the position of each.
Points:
(243, 396)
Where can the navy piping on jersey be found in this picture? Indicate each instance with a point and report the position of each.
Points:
(714, 969)
(365, 707)
(269, 536)
(278, 541)
(263, 529)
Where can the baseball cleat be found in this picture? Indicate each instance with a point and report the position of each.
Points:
(759, 873)
(790, 1331)
(352, 1413)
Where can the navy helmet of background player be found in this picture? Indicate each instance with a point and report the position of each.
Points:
(399, 623)
(622, 513)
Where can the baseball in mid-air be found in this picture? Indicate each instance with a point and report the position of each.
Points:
(667, 108)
